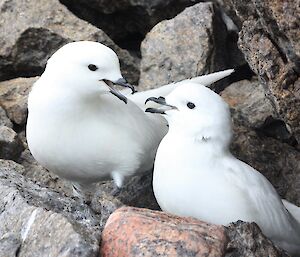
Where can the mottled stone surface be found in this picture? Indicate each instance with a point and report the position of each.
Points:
(47, 223)
(39, 29)
(9, 245)
(188, 45)
(269, 38)
(246, 239)
(4, 120)
(13, 98)
(248, 99)
(11, 145)
(141, 232)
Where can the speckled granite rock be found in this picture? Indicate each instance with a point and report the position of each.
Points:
(141, 232)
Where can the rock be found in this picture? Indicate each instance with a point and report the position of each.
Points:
(126, 20)
(137, 191)
(40, 28)
(269, 38)
(13, 98)
(141, 232)
(47, 223)
(9, 245)
(191, 44)
(4, 120)
(249, 100)
(246, 239)
(10, 144)
(40, 175)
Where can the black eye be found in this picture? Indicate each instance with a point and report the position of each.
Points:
(93, 67)
(191, 105)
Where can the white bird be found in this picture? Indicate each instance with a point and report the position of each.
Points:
(196, 175)
(85, 131)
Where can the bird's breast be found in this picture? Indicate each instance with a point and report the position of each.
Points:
(79, 143)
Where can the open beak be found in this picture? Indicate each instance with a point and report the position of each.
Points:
(121, 82)
(164, 106)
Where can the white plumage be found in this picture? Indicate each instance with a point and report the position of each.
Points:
(196, 175)
(79, 130)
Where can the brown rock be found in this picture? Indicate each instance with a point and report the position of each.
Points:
(39, 29)
(10, 144)
(269, 39)
(188, 45)
(13, 98)
(249, 99)
(141, 232)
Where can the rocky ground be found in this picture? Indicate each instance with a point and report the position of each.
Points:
(157, 42)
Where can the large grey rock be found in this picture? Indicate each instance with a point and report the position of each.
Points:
(126, 20)
(248, 99)
(13, 98)
(39, 29)
(269, 38)
(4, 120)
(191, 44)
(11, 145)
(45, 222)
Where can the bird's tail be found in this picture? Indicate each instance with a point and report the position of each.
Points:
(293, 209)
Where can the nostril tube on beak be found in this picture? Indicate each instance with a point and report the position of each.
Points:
(122, 82)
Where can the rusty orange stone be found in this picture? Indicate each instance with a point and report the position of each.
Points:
(133, 232)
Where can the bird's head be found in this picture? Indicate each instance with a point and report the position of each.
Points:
(87, 67)
(195, 111)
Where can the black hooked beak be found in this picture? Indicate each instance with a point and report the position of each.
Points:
(122, 82)
(162, 101)
(115, 92)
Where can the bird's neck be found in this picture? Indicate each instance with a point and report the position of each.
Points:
(205, 142)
